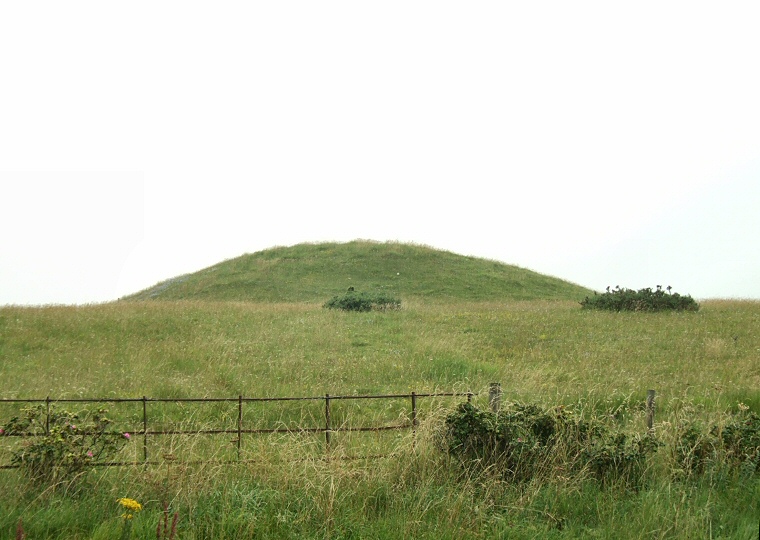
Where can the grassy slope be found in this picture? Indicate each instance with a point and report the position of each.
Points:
(317, 272)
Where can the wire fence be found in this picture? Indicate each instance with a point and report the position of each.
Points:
(148, 426)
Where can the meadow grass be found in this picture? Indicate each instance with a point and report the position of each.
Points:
(548, 352)
(539, 351)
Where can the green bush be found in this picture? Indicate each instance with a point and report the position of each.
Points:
(57, 448)
(734, 443)
(740, 439)
(695, 448)
(646, 299)
(525, 441)
(360, 301)
(620, 456)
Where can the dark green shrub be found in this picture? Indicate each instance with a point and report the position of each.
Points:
(647, 299)
(735, 444)
(619, 456)
(740, 438)
(359, 301)
(58, 448)
(524, 441)
(695, 448)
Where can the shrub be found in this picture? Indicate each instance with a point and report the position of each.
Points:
(624, 299)
(356, 301)
(695, 448)
(734, 443)
(620, 456)
(740, 438)
(524, 441)
(58, 447)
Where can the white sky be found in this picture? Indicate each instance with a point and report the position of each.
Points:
(602, 143)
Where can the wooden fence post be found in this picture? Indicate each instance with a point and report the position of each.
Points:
(494, 396)
(650, 411)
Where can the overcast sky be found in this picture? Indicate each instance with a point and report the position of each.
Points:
(599, 142)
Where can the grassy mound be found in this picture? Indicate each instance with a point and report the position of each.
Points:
(317, 272)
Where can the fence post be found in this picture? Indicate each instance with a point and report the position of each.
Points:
(494, 396)
(240, 424)
(650, 411)
(327, 421)
(145, 428)
(47, 415)
(415, 422)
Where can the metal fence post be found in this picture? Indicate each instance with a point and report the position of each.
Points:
(240, 424)
(415, 422)
(327, 421)
(47, 415)
(145, 428)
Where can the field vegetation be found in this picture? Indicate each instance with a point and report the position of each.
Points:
(538, 343)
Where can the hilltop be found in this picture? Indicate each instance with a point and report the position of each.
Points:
(316, 272)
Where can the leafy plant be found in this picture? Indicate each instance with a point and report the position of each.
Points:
(695, 448)
(740, 438)
(618, 299)
(361, 301)
(523, 441)
(59, 445)
(735, 443)
(620, 456)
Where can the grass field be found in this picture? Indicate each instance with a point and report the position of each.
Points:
(544, 351)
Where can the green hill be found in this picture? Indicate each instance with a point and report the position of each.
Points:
(317, 272)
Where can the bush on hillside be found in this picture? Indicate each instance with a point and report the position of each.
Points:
(646, 299)
(359, 301)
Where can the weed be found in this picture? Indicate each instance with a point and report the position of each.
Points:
(163, 530)
(131, 508)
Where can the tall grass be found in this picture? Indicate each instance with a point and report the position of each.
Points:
(545, 351)
(548, 352)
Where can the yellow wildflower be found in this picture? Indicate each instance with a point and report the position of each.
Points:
(130, 504)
